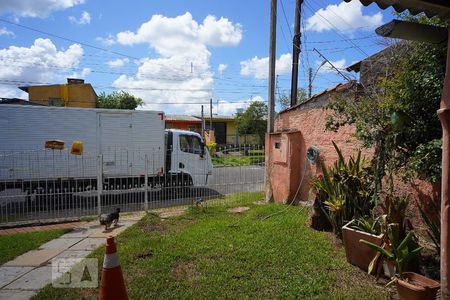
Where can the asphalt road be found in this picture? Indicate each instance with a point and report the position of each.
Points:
(224, 180)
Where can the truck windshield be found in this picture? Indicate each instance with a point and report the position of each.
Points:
(190, 144)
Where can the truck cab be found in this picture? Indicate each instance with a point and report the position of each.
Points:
(187, 157)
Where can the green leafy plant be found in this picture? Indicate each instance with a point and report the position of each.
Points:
(398, 250)
(394, 207)
(432, 219)
(211, 146)
(369, 224)
(347, 189)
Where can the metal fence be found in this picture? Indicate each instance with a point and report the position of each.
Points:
(43, 185)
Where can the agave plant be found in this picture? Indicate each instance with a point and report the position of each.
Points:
(433, 222)
(369, 224)
(397, 250)
(348, 189)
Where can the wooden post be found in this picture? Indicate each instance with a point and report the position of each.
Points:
(295, 52)
(444, 116)
(271, 96)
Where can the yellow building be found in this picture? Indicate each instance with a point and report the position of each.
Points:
(75, 93)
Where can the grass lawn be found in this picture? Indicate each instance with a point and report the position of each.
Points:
(234, 160)
(13, 245)
(216, 254)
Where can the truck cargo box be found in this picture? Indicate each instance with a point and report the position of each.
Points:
(122, 137)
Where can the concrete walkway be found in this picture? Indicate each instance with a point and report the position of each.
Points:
(23, 276)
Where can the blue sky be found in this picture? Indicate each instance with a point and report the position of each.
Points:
(177, 54)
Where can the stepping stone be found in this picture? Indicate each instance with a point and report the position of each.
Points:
(89, 244)
(34, 258)
(238, 209)
(9, 274)
(63, 243)
(16, 295)
(34, 280)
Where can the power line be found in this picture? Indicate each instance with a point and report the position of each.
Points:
(67, 39)
(335, 29)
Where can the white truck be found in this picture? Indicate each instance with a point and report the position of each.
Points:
(129, 147)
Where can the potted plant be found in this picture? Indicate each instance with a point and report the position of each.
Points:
(410, 286)
(369, 229)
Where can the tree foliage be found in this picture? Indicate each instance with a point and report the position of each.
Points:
(119, 100)
(253, 120)
(284, 100)
(398, 118)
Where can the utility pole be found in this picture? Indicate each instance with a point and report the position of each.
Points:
(296, 51)
(272, 60)
(271, 98)
(210, 114)
(329, 62)
(309, 82)
(203, 124)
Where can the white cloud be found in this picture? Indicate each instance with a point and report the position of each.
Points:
(219, 32)
(42, 62)
(107, 41)
(4, 31)
(35, 8)
(117, 63)
(221, 68)
(259, 67)
(228, 108)
(327, 68)
(84, 19)
(345, 16)
(169, 36)
(81, 74)
(180, 72)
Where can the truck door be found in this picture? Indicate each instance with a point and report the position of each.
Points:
(191, 158)
(115, 140)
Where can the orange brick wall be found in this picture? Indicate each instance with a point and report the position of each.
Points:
(311, 123)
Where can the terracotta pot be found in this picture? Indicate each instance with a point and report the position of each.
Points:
(357, 253)
(414, 286)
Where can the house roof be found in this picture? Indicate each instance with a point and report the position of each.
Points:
(335, 88)
(356, 67)
(431, 8)
(185, 118)
(17, 101)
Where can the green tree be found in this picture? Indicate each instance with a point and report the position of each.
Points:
(284, 100)
(119, 100)
(253, 120)
(398, 117)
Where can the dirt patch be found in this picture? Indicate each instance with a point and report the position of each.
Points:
(146, 254)
(185, 271)
(171, 213)
(155, 227)
(238, 209)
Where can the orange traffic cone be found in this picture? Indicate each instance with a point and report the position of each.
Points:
(112, 285)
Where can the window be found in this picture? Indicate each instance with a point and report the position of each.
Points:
(190, 144)
(55, 102)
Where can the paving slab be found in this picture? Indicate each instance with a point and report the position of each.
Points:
(34, 258)
(9, 274)
(81, 232)
(16, 294)
(60, 242)
(73, 254)
(89, 244)
(33, 280)
(113, 231)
